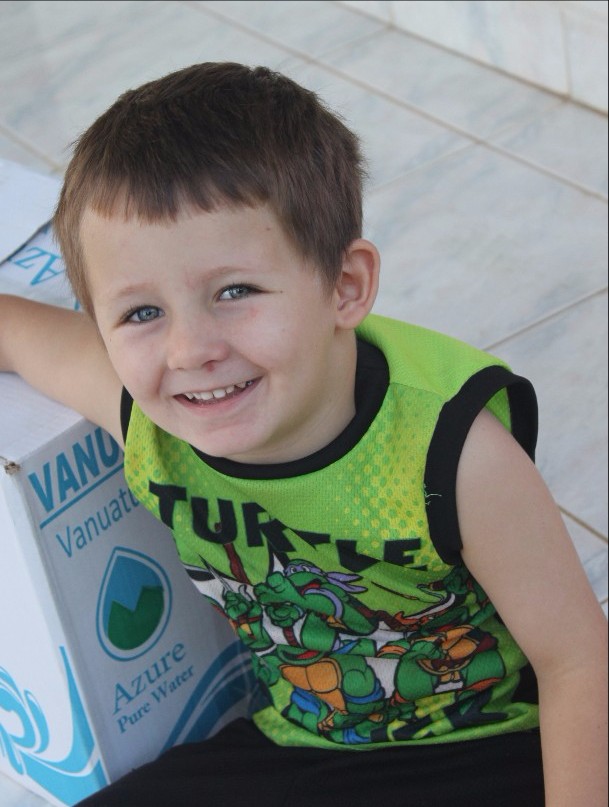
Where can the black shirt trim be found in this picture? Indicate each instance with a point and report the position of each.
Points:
(126, 407)
(455, 420)
(371, 384)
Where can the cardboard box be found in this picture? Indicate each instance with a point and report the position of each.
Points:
(108, 655)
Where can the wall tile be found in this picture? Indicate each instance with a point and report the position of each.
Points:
(522, 38)
(568, 140)
(10, 149)
(480, 246)
(457, 91)
(49, 96)
(28, 28)
(309, 26)
(384, 127)
(381, 9)
(587, 53)
(561, 46)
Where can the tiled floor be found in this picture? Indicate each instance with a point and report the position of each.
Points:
(487, 196)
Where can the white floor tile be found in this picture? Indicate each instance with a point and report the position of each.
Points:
(310, 27)
(52, 95)
(29, 28)
(480, 246)
(565, 359)
(10, 149)
(394, 139)
(568, 140)
(467, 95)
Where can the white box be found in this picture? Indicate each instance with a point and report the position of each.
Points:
(108, 655)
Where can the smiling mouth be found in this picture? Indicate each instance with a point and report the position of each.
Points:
(216, 395)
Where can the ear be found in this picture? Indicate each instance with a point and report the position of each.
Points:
(356, 288)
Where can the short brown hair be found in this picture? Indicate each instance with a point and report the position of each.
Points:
(214, 134)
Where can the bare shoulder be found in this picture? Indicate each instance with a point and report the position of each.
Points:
(516, 545)
(60, 353)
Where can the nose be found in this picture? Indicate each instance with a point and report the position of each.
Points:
(194, 343)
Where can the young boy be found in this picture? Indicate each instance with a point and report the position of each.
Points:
(356, 495)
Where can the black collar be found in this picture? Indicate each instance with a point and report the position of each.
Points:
(371, 382)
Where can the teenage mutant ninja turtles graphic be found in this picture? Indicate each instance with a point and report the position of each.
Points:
(348, 672)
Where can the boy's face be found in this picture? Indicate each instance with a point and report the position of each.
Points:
(221, 332)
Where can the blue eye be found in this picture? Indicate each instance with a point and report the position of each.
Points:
(144, 314)
(236, 292)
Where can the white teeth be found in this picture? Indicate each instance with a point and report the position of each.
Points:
(221, 392)
(199, 396)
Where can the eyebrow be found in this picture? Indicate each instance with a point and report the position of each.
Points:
(133, 289)
(146, 287)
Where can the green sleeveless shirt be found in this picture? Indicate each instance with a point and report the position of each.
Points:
(341, 572)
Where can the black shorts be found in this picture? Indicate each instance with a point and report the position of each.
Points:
(240, 766)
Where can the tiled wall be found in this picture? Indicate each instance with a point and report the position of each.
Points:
(560, 45)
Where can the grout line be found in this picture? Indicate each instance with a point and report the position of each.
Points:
(318, 60)
(28, 146)
(504, 153)
(366, 14)
(547, 171)
(584, 524)
(422, 167)
(565, 48)
(546, 318)
(483, 140)
(392, 25)
(269, 40)
(371, 88)
(478, 140)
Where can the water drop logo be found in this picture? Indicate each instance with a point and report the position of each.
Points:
(134, 604)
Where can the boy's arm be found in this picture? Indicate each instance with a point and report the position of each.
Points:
(60, 353)
(516, 546)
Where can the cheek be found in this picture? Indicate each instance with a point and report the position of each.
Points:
(134, 373)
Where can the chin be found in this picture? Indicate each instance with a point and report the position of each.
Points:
(228, 451)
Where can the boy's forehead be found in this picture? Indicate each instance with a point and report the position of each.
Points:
(124, 217)
(211, 241)
(233, 227)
